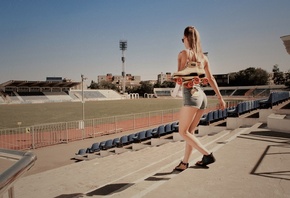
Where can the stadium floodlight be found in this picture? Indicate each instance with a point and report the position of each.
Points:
(123, 47)
(83, 102)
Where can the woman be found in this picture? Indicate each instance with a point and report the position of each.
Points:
(192, 61)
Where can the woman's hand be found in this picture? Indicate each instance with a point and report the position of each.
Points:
(222, 104)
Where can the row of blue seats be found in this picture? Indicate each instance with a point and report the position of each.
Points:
(206, 119)
(217, 115)
(274, 99)
(213, 116)
(244, 107)
(131, 138)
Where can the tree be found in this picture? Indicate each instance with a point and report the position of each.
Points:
(168, 84)
(102, 85)
(145, 87)
(278, 76)
(261, 77)
(93, 85)
(248, 77)
(287, 79)
(107, 85)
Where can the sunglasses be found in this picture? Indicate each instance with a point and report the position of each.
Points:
(182, 40)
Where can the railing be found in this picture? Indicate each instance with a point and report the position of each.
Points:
(63, 132)
(7, 178)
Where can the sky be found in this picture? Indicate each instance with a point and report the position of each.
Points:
(67, 38)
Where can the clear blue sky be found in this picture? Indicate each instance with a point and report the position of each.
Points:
(68, 38)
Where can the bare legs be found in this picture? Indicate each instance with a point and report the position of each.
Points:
(189, 119)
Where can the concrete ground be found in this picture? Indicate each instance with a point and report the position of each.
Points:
(251, 162)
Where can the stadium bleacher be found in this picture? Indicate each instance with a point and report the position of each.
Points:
(2, 100)
(57, 96)
(21, 92)
(274, 98)
(241, 91)
(127, 140)
(17, 92)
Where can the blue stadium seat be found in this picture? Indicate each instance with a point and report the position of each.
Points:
(206, 119)
(251, 105)
(274, 98)
(257, 104)
(148, 134)
(215, 115)
(131, 138)
(244, 108)
(82, 152)
(108, 144)
(94, 148)
(115, 142)
(168, 128)
(220, 113)
(236, 111)
(122, 141)
(140, 136)
(159, 132)
(102, 144)
(225, 113)
(175, 126)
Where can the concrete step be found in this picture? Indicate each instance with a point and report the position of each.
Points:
(122, 175)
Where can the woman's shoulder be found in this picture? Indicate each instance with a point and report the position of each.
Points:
(183, 54)
(205, 57)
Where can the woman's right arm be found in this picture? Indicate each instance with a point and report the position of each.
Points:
(213, 84)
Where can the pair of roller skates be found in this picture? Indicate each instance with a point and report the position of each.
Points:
(187, 78)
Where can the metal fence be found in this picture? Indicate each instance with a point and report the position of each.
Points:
(63, 132)
(37, 136)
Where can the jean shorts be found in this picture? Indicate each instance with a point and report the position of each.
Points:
(194, 97)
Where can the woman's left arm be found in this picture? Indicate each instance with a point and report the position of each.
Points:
(213, 83)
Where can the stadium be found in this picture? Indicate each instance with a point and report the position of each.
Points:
(132, 155)
(66, 96)
(124, 137)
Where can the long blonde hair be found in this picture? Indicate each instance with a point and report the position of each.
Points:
(193, 38)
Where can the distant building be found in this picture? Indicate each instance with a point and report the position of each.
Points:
(163, 77)
(54, 79)
(117, 79)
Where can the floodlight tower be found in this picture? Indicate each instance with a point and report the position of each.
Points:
(123, 47)
(83, 101)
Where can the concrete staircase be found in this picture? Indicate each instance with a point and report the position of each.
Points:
(129, 174)
(148, 171)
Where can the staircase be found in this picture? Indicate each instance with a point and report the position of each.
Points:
(130, 174)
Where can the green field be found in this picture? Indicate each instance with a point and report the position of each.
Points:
(31, 114)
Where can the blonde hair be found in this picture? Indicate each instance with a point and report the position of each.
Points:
(193, 38)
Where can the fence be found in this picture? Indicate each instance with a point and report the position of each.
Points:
(55, 133)
(63, 132)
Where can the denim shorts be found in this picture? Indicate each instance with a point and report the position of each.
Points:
(194, 97)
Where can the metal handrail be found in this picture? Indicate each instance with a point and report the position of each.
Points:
(7, 179)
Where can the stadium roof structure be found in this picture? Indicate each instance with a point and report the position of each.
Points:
(50, 84)
(286, 41)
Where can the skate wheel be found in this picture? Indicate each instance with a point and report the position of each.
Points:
(179, 81)
(204, 81)
(196, 80)
(189, 84)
